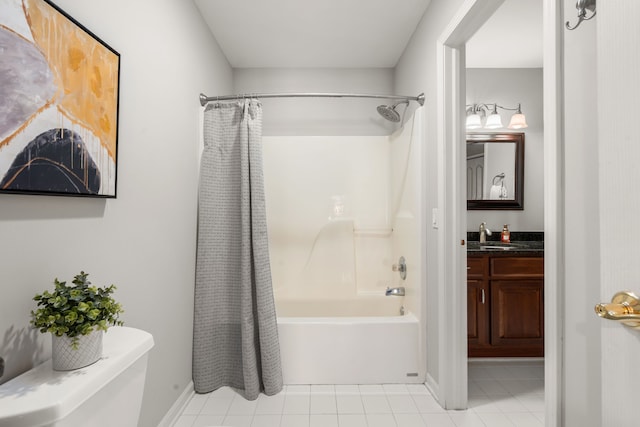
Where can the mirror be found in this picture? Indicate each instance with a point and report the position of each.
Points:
(495, 171)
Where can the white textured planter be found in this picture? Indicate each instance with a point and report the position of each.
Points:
(65, 358)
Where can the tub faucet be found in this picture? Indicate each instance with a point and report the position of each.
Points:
(484, 232)
(397, 292)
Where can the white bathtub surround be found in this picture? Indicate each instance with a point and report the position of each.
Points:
(314, 250)
(341, 211)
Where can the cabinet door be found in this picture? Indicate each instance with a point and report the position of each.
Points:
(477, 314)
(517, 316)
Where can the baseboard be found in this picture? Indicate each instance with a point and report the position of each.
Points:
(433, 388)
(178, 406)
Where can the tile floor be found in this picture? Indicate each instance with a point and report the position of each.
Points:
(500, 395)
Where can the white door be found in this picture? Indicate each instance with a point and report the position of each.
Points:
(618, 85)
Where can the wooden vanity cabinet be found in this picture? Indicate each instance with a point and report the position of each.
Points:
(505, 305)
(477, 302)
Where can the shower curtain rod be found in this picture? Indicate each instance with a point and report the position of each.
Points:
(204, 99)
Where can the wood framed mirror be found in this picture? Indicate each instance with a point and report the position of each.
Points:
(495, 171)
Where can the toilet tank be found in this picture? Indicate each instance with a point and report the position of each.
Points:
(107, 393)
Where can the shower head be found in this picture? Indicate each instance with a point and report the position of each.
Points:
(389, 111)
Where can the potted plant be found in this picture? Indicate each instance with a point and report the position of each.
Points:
(76, 316)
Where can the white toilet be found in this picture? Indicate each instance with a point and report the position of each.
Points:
(107, 393)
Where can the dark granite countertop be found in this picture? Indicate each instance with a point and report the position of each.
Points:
(522, 243)
(514, 248)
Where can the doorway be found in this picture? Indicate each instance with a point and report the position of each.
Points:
(451, 137)
(505, 312)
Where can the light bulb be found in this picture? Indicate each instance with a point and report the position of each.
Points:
(473, 121)
(494, 121)
(518, 121)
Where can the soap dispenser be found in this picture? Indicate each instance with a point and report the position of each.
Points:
(505, 236)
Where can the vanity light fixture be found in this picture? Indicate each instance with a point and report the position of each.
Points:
(494, 121)
(474, 121)
(518, 121)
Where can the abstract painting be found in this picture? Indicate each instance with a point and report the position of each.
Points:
(59, 88)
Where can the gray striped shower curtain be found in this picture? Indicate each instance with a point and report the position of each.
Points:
(235, 340)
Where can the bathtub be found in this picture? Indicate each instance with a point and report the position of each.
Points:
(361, 340)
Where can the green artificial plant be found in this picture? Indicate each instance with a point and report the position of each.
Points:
(76, 310)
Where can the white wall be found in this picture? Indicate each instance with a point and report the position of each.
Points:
(319, 116)
(143, 241)
(582, 391)
(508, 87)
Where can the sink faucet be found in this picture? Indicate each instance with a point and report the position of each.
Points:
(484, 232)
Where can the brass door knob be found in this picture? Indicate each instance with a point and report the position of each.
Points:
(624, 307)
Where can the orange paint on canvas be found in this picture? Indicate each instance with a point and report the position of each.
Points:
(86, 72)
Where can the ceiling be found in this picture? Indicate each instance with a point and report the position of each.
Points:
(312, 33)
(358, 33)
(511, 38)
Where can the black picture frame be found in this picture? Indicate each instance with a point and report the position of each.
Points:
(59, 104)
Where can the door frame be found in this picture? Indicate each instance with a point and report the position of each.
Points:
(451, 201)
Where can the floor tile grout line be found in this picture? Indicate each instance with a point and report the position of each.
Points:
(529, 397)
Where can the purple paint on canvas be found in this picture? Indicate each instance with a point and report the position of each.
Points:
(26, 81)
